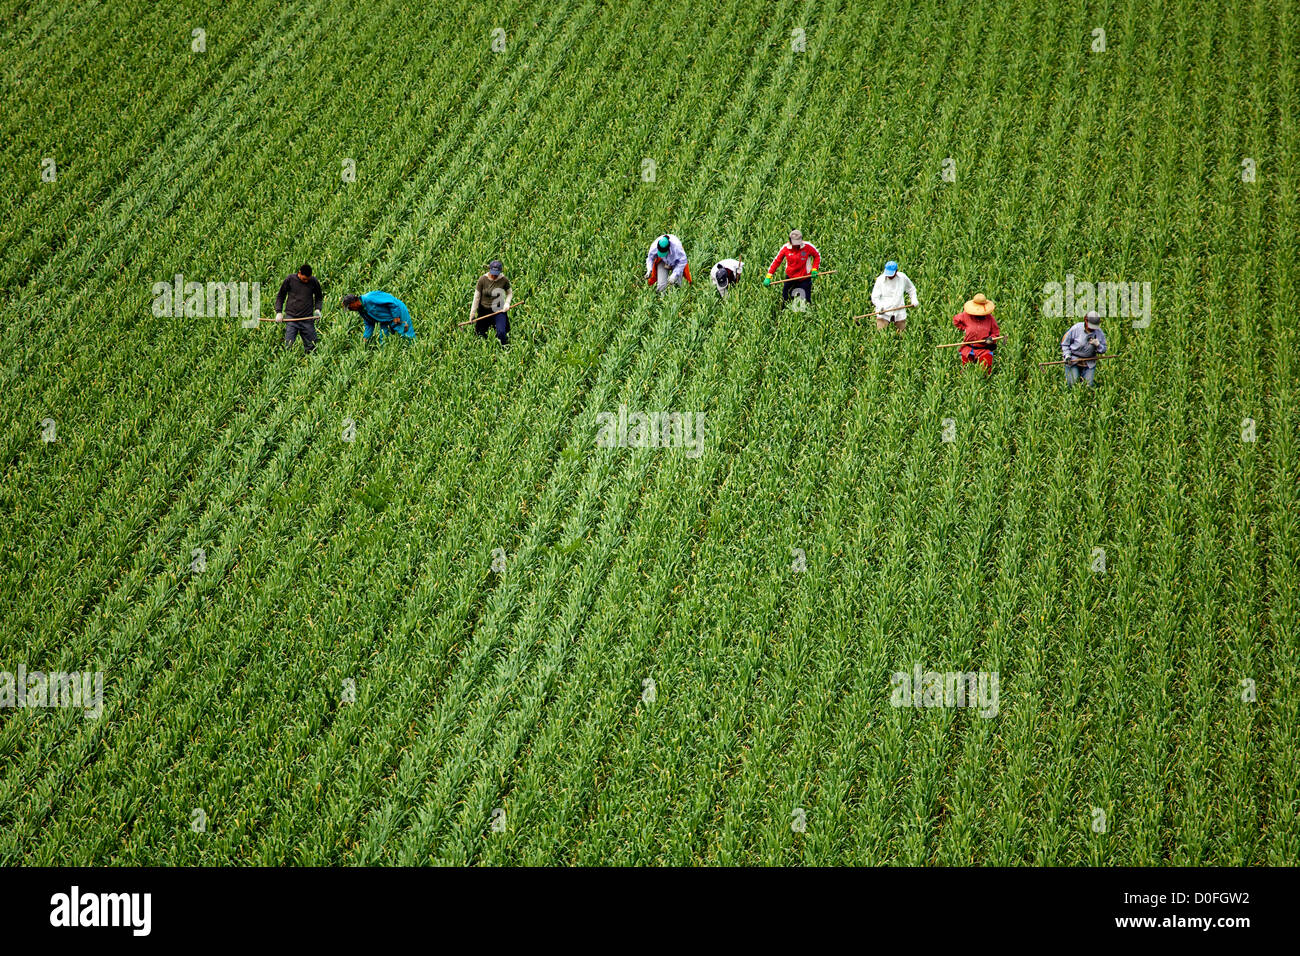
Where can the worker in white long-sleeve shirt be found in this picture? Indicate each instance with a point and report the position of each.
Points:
(887, 296)
(726, 272)
(665, 263)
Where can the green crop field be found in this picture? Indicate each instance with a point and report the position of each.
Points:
(396, 603)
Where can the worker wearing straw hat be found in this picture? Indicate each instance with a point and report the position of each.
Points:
(887, 296)
(1083, 341)
(976, 320)
(797, 256)
(492, 295)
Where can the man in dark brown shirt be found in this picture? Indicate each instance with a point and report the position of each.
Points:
(492, 294)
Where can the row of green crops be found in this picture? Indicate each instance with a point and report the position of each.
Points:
(284, 565)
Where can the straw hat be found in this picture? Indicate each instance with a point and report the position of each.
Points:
(979, 305)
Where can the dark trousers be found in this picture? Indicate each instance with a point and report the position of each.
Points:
(501, 321)
(805, 284)
(304, 327)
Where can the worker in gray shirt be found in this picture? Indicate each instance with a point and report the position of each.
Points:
(1084, 341)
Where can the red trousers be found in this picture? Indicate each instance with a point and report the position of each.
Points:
(969, 354)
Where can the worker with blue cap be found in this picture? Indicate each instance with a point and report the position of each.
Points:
(492, 297)
(887, 296)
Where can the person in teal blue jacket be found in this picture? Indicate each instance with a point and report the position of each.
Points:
(384, 310)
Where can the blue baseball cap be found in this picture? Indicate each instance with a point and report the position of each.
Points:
(664, 244)
(891, 267)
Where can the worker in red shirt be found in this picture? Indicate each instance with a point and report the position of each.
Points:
(796, 254)
(976, 320)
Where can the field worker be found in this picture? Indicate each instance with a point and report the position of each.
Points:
(666, 263)
(1083, 340)
(492, 294)
(725, 273)
(381, 309)
(887, 297)
(976, 320)
(796, 254)
(301, 297)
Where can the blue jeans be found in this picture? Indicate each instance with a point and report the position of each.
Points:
(1074, 372)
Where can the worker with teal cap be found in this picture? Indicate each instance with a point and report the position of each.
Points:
(384, 310)
(665, 263)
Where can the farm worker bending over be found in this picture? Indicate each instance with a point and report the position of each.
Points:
(725, 273)
(301, 297)
(796, 254)
(981, 329)
(1083, 340)
(492, 294)
(381, 309)
(887, 296)
(666, 263)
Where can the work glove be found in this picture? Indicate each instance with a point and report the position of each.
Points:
(316, 314)
(279, 316)
(767, 281)
(813, 273)
(1094, 343)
